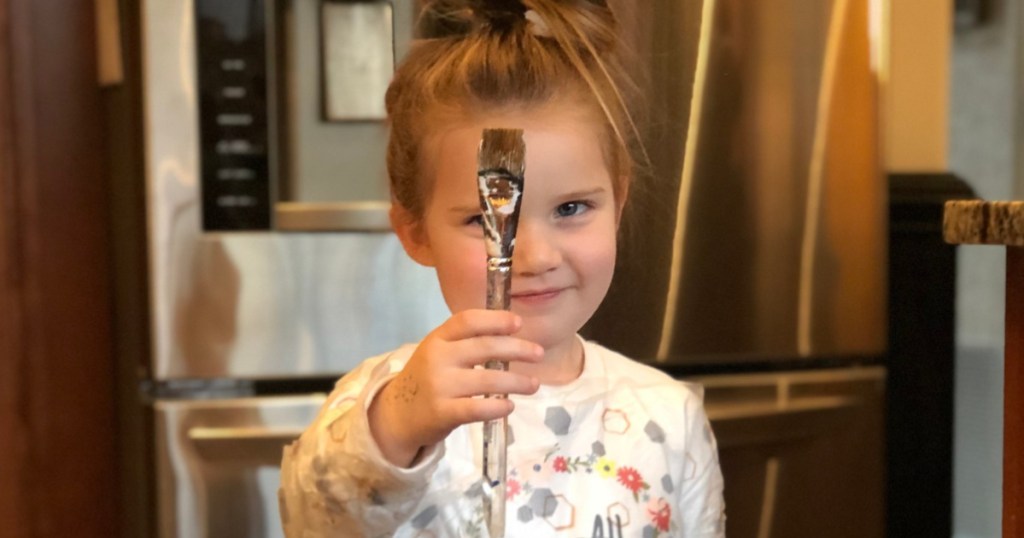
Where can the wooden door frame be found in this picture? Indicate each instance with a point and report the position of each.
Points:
(58, 463)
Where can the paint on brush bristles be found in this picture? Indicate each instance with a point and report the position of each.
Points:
(501, 163)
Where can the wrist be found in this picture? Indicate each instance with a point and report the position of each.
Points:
(383, 420)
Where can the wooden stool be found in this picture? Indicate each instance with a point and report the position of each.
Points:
(1002, 223)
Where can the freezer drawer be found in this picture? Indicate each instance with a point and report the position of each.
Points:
(802, 453)
(218, 463)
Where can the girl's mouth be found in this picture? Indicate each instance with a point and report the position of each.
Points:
(536, 296)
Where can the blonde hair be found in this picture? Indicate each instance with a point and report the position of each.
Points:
(474, 56)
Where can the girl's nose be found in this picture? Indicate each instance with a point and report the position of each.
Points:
(536, 251)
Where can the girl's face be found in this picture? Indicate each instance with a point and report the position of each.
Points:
(564, 253)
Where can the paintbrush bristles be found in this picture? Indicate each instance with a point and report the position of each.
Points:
(502, 150)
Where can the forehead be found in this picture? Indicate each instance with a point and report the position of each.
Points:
(561, 149)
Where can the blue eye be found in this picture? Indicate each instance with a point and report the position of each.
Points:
(571, 209)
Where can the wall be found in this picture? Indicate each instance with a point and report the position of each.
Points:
(916, 89)
(981, 150)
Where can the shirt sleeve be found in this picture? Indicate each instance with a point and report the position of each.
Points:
(334, 479)
(701, 504)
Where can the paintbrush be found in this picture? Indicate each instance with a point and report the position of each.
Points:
(501, 162)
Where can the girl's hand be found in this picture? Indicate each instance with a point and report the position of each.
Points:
(437, 390)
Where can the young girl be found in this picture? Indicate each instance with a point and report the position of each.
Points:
(599, 445)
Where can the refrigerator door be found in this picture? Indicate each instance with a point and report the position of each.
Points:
(257, 304)
(218, 463)
(759, 234)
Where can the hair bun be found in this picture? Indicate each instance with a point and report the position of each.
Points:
(445, 18)
(448, 18)
(500, 10)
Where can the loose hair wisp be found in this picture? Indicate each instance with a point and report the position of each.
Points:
(473, 56)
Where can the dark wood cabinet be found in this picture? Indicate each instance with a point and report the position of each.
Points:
(58, 467)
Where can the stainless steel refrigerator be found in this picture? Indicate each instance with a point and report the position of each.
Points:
(753, 256)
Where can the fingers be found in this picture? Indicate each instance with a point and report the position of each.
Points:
(450, 383)
(479, 350)
(471, 323)
(480, 382)
(467, 410)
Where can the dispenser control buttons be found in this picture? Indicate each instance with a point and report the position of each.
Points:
(233, 115)
(232, 64)
(236, 174)
(233, 92)
(234, 119)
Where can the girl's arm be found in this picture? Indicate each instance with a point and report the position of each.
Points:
(700, 501)
(365, 463)
(334, 479)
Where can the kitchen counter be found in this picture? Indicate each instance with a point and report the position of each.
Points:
(1002, 223)
(977, 222)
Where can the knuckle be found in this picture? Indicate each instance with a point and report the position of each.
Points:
(465, 414)
(490, 384)
(462, 319)
(453, 326)
(490, 346)
(442, 418)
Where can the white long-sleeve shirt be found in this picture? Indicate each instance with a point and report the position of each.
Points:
(622, 451)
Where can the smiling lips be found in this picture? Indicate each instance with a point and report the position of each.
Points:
(537, 296)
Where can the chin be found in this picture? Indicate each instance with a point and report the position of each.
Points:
(547, 336)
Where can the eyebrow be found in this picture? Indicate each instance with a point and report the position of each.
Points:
(464, 209)
(584, 193)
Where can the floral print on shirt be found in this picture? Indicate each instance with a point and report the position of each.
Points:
(656, 508)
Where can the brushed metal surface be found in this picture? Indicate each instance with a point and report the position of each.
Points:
(218, 461)
(761, 234)
(332, 216)
(255, 305)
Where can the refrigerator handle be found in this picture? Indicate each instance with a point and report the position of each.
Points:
(771, 422)
(245, 445)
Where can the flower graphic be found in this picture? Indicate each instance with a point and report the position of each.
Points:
(560, 465)
(630, 478)
(605, 467)
(660, 513)
(512, 488)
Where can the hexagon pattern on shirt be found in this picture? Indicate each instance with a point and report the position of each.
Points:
(539, 502)
(421, 520)
(579, 468)
(563, 516)
(557, 419)
(619, 512)
(654, 431)
(615, 421)
(666, 484)
(689, 467)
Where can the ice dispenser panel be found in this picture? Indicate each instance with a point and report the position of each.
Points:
(292, 113)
